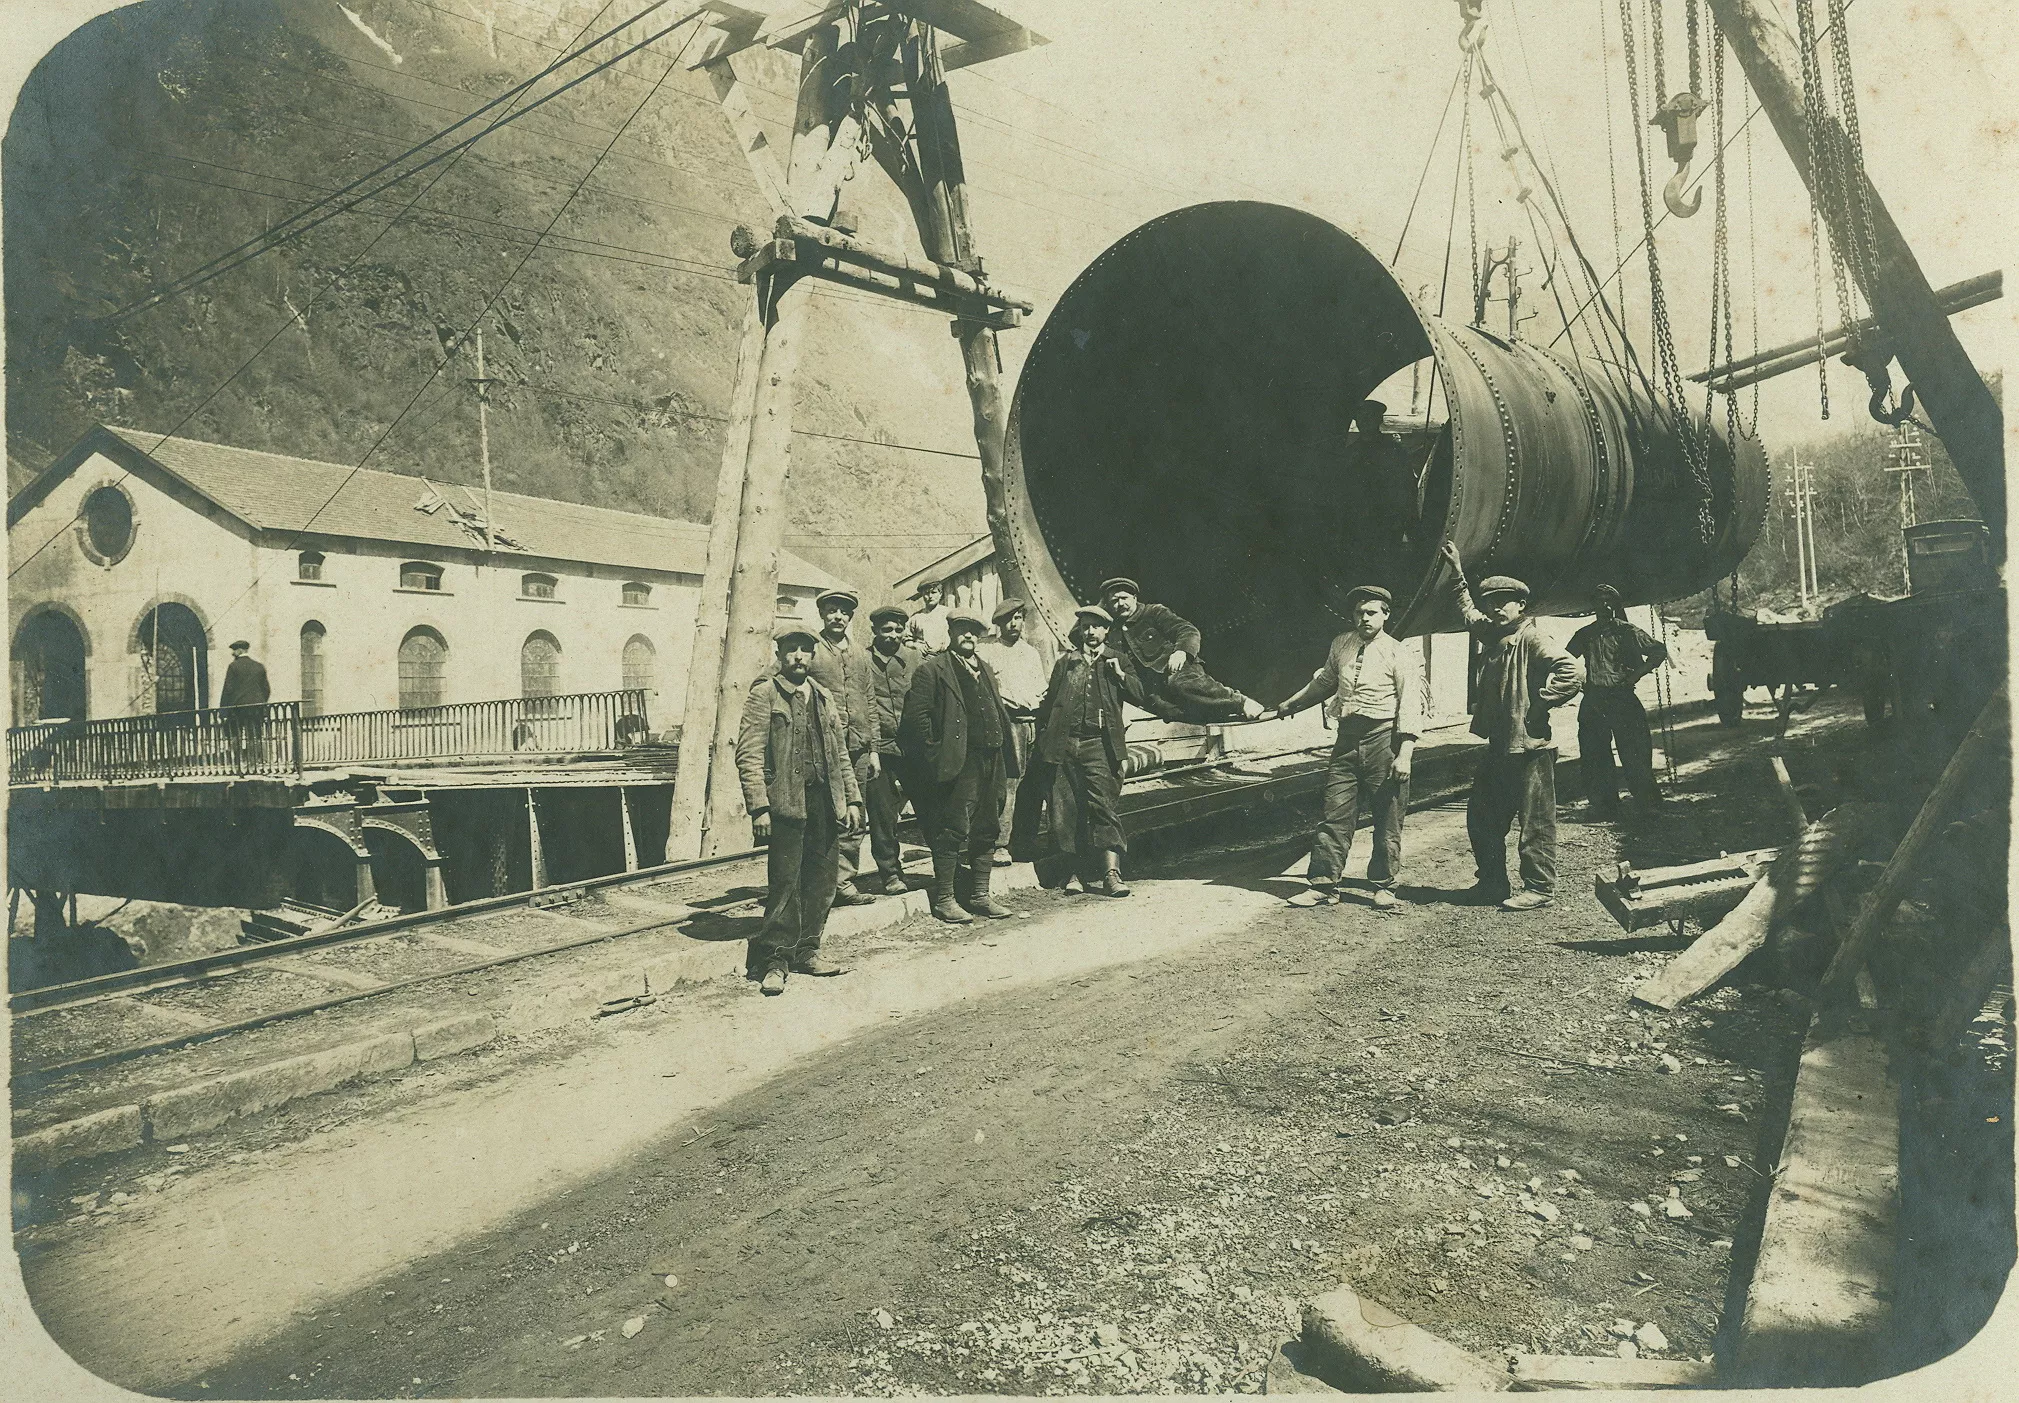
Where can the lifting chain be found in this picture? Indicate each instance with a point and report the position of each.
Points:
(1465, 148)
(1812, 83)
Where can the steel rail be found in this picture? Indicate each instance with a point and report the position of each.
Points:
(175, 973)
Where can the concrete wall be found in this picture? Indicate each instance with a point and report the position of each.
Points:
(243, 586)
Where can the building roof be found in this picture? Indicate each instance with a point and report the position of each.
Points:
(972, 554)
(274, 492)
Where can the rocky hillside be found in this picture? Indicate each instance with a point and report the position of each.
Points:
(165, 133)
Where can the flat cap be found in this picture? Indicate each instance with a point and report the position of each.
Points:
(1121, 582)
(1607, 592)
(837, 596)
(1370, 592)
(923, 586)
(1009, 606)
(1094, 612)
(788, 633)
(960, 618)
(888, 611)
(241, 644)
(1370, 407)
(1502, 584)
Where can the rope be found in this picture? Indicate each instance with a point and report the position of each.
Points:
(1428, 156)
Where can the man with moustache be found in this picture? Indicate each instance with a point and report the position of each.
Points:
(840, 666)
(892, 659)
(1164, 650)
(1020, 670)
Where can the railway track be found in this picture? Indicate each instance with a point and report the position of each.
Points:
(61, 1030)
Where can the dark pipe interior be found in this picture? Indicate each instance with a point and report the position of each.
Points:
(1185, 418)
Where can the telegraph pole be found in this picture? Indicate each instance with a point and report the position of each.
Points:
(483, 385)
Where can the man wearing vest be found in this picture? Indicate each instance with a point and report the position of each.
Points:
(800, 789)
(958, 751)
(892, 660)
(1616, 656)
(1521, 677)
(1164, 650)
(843, 669)
(1373, 689)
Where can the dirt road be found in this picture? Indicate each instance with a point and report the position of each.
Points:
(1103, 1147)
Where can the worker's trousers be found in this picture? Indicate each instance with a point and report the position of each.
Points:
(1024, 738)
(799, 869)
(1507, 789)
(1608, 717)
(1362, 767)
(883, 797)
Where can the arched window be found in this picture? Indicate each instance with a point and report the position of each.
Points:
(537, 586)
(637, 593)
(48, 670)
(312, 635)
(419, 574)
(308, 565)
(424, 664)
(640, 663)
(539, 665)
(175, 658)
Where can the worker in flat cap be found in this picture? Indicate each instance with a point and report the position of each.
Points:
(1020, 669)
(1068, 817)
(1522, 677)
(958, 751)
(928, 621)
(843, 669)
(1164, 650)
(1384, 479)
(892, 658)
(1372, 688)
(800, 789)
(1616, 656)
(245, 687)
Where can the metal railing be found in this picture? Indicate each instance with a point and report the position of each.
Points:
(276, 739)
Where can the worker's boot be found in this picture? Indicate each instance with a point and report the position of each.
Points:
(972, 892)
(1112, 884)
(945, 874)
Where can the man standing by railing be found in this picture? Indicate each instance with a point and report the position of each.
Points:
(245, 688)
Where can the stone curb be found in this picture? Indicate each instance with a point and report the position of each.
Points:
(1361, 1346)
(205, 1105)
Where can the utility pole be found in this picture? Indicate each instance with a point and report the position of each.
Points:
(1912, 320)
(1910, 458)
(1801, 496)
(483, 385)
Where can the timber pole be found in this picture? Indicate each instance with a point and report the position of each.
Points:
(1959, 404)
(816, 167)
(948, 238)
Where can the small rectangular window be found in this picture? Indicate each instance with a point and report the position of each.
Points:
(418, 575)
(309, 566)
(636, 592)
(538, 586)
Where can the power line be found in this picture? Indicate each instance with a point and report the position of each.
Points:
(648, 408)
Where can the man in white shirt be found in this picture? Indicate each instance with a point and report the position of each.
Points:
(1374, 689)
(1021, 672)
(928, 625)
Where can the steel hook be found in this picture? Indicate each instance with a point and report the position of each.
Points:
(1672, 194)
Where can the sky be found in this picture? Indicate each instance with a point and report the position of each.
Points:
(1137, 107)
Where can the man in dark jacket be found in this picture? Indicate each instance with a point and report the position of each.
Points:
(1164, 650)
(892, 660)
(245, 687)
(1521, 677)
(843, 669)
(1072, 795)
(1616, 656)
(245, 681)
(958, 751)
(800, 789)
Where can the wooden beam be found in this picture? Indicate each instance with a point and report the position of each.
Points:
(899, 265)
(753, 588)
(796, 258)
(1980, 745)
(1958, 402)
(1765, 365)
(749, 133)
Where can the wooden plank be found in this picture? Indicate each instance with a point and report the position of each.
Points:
(1797, 874)
(1538, 1373)
(1818, 1304)
(749, 133)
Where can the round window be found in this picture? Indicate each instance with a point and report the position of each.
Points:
(108, 524)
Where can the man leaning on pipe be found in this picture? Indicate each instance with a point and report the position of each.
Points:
(1521, 677)
(1164, 650)
(1374, 689)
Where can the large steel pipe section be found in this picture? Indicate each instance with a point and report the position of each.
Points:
(1184, 418)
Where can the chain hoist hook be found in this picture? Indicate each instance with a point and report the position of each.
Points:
(1471, 14)
(1677, 119)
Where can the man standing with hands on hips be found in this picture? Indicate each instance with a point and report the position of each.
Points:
(1521, 677)
(800, 789)
(1374, 691)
